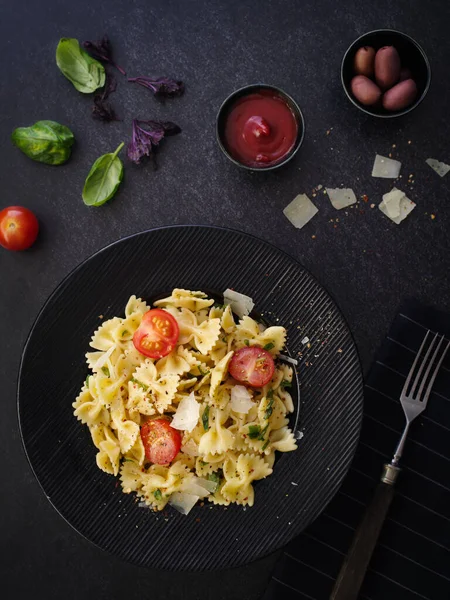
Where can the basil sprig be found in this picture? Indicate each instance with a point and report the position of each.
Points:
(86, 73)
(104, 178)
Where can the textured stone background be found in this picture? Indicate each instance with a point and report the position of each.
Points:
(366, 262)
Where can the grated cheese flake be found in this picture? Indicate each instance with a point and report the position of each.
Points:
(341, 197)
(396, 205)
(440, 167)
(300, 211)
(387, 168)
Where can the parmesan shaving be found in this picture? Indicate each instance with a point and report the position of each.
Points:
(440, 167)
(241, 399)
(241, 304)
(386, 168)
(288, 359)
(341, 197)
(187, 414)
(396, 205)
(190, 448)
(300, 211)
(103, 359)
(183, 502)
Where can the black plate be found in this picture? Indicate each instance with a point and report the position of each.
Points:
(61, 452)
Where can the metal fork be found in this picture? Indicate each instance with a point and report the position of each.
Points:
(353, 570)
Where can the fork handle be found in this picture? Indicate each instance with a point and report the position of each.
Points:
(353, 571)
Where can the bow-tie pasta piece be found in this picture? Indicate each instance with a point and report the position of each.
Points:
(283, 440)
(227, 322)
(108, 457)
(186, 299)
(89, 409)
(136, 305)
(179, 362)
(158, 390)
(218, 438)
(103, 337)
(239, 474)
(127, 431)
(219, 374)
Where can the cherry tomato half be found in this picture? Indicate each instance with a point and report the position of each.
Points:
(161, 442)
(252, 365)
(18, 228)
(157, 334)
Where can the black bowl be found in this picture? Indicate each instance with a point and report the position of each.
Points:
(245, 91)
(412, 56)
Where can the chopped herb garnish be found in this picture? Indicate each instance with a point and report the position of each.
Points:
(265, 445)
(246, 342)
(263, 433)
(214, 477)
(139, 383)
(203, 373)
(87, 381)
(217, 305)
(203, 463)
(125, 332)
(157, 494)
(285, 384)
(269, 346)
(205, 418)
(224, 340)
(269, 407)
(105, 371)
(254, 431)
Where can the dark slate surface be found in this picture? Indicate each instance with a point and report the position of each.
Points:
(366, 262)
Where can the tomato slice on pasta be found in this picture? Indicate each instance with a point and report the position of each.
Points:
(161, 442)
(252, 366)
(157, 334)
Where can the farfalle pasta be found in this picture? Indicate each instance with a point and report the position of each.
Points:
(224, 425)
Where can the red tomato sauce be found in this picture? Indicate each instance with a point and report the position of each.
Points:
(260, 129)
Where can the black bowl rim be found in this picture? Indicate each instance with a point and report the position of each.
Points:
(300, 118)
(409, 108)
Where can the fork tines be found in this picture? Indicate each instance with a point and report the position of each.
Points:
(430, 356)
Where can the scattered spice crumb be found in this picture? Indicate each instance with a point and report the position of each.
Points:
(293, 483)
(409, 142)
(394, 145)
(313, 237)
(365, 197)
(432, 217)
(372, 206)
(100, 316)
(339, 350)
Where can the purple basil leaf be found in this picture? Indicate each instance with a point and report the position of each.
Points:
(101, 50)
(146, 137)
(103, 111)
(162, 87)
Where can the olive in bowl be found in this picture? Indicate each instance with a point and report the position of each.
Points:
(385, 73)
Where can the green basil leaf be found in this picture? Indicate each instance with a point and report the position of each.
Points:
(86, 73)
(205, 418)
(45, 141)
(285, 384)
(105, 371)
(158, 495)
(104, 178)
(269, 346)
(254, 431)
